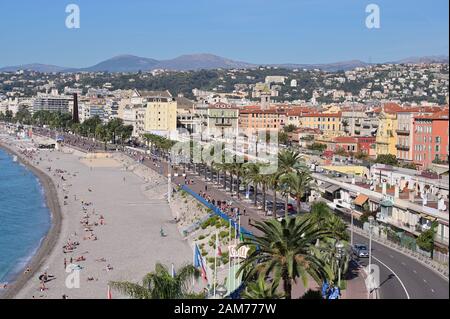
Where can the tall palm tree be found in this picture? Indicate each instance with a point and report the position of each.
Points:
(288, 161)
(160, 284)
(253, 176)
(274, 183)
(299, 182)
(237, 169)
(284, 253)
(259, 289)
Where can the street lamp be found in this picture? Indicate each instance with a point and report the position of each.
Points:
(339, 255)
(351, 224)
(370, 253)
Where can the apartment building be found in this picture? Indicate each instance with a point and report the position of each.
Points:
(386, 134)
(160, 112)
(405, 120)
(256, 119)
(329, 123)
(52, 102)
(221, 120)
(430, 138)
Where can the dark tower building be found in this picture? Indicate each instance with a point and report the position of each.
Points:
(75, 117)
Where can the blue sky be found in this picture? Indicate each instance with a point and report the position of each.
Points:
(258, 31)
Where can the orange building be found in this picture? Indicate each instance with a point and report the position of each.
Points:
(430, 138)
(257, 119)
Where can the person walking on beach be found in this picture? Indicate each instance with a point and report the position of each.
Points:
(65, 263)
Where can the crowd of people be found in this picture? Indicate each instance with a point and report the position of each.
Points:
(85, 143)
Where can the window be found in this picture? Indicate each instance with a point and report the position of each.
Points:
(438, 139)
(437, 148)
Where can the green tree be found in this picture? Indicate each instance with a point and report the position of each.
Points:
(387, 159)
(160, 284)
(113, 126)
(341, 151)
(426, 239)
(317, 147)
(284, 253)
(103, 134)
(290, 128)
(299, 183)
(259, 289)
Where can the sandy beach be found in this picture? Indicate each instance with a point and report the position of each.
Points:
(122, 208)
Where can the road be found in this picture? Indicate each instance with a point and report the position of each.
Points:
(402, 277)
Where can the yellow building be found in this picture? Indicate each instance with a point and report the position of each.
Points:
(160, 114)
(329, 123)
(386, 133)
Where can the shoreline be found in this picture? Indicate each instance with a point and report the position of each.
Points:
(48, 242)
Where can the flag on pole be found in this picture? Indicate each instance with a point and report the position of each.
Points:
(219, 250)
(109, 295)
(199, 262)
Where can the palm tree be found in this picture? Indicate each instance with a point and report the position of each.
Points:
(288, 161)
(238, 170)
(160, 284)
(274, 183)
(333, 259)
(259, 289)
(320, 214)
(253, 176)
(298, 183)
(284, 253)
(336, 226)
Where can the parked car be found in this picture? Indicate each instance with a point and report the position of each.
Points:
(360, 251)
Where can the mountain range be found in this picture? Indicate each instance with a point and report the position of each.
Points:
(131, 63)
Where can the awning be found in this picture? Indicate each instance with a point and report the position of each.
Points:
(361, 199)
(332, 188)
(430, 218)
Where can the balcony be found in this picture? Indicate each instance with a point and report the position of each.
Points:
(402, 132)
(402, 147)
(223, 124)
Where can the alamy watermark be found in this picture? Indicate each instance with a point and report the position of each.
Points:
(372, 280)
(225, 146)
(73, 19)
(373, 19)
(73, 277)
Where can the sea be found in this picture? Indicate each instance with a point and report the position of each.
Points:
(24, 216)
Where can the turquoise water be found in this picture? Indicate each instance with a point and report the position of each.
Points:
(24, 216)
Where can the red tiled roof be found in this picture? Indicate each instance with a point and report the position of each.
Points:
(339, 114)
(442, 115)
(345, 139)
(392, 108)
